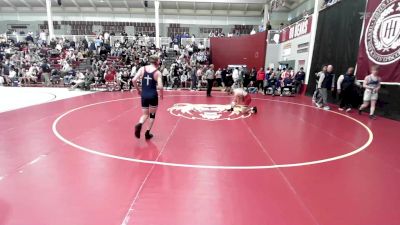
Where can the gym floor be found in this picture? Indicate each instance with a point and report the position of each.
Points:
(76, 162)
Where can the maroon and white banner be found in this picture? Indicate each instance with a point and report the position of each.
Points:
(380, 41)
(296, 30)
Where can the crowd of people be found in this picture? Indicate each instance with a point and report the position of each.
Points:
(84, 63)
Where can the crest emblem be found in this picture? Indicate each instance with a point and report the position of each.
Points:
(209, 112)
(382, 36)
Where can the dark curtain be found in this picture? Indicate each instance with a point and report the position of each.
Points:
(337, 39)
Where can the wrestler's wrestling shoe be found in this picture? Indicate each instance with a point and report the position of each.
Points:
(254, 110)
(138, 129)
(148, 136)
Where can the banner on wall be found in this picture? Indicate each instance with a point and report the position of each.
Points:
(380, 42)
(296, 30)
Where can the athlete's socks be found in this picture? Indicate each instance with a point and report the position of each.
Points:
(138, 129)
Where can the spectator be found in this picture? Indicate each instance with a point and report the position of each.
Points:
(260, 79)
(316, 95)
(266, 80)
(273, 82)
(90, 78)
(80, 79)
(325, 85)
(235, 77)
(286, 80)
(346, 85)
(45, 68)
(252, 88)
(299, 80)
(218, 76)
(165, 73)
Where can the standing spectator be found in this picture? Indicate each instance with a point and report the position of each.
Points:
(193, 78)
(346, 89)
(210, 79)
(45, 68)
(266, 80)
(218, 76)
(260, 79)
(299, 80)
(199, 74)
(316, 95)
(165, 74)
(6, 72)
(326, 83)
(372, 85)
(224, 72)
(235, 77)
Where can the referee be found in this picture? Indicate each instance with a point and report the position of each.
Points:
(210, 74)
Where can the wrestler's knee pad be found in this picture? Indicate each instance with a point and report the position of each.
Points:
(152, 115)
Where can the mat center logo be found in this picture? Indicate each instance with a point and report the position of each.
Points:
(209, 112)
(382, 38)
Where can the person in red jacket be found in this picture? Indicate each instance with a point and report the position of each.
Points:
(260, 79)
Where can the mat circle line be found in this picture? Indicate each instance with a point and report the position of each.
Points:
(68, 142)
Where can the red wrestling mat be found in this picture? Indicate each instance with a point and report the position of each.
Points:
(76, 162)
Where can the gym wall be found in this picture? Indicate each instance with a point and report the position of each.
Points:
(243, 50)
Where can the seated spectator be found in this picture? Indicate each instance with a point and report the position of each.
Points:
(273, 82)
(299, 80)
(286, 80)
(79, 79)
(13, 75)
(32, 73)
(55, 77)
(90, 78)
(124, 79)
(184, 80)
(68, 77)
(252, 88)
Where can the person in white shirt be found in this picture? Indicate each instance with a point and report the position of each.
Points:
(346, 85)
(31, 74)
(66, 68)
(13, 74)
(235, 76)
(43, 36)
(79, 79)
(184, 79)
(252, 32)
(165, 74)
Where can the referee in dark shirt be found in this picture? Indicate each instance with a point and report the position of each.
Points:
(210, 74)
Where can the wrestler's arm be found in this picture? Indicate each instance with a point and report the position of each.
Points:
(160, 86)
(138, 75)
